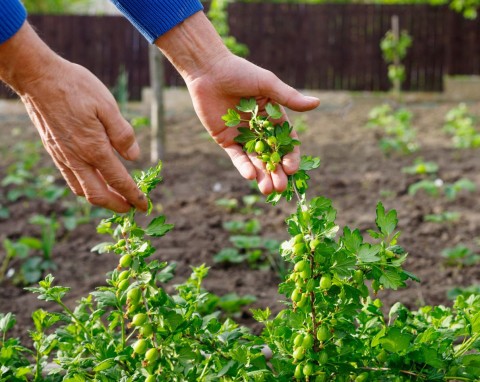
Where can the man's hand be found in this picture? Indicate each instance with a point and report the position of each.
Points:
(78, 120)
(217, 80)
(230, 79)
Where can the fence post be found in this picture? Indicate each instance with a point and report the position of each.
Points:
(157, 120)
(397, 84)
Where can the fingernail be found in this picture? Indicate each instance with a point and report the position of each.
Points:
(309, 98)
(133, 152)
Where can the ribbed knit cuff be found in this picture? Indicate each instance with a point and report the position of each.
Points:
(12, 17)
(153, 18)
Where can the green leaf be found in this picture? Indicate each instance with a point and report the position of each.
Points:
(377, 337)
(7, 322)
(248, 105)
(232, 118)
(352, 240)
(368, 253)
(386, 222)
(157, 227)
(343, 264)
(261, 315)
(273, 111)
(308, 163)
(391, 279)
(228, 255)
(105, 298)
(105, 364)
(245, 135)
(395, 341)
(104, 247)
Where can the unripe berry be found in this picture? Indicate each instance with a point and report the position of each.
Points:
(134, 295)
(308, 369)
(298, 374)
(298, 340)
(323, 358)
(296, 295)
(275, 157)
(146, 330)
(272, 141)
(271, 167)
(323, 334)
(299, 353)
(126, 261)
(139, 319)
(307, 342)
(299, 249)
(123, 285)
(301, 266)
(298, 238)
(260, 147)
(325, 282)
(151, 355)
(140, 347)
(123, 275)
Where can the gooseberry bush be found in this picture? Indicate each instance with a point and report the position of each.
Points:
(332, 327)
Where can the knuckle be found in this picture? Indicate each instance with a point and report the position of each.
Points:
(96, 199)
(125, 136)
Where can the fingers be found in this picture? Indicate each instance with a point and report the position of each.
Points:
(271, 86)
(119, 180)
(241, 161)
(268, 181)
(291, 161)
(119, 131)
(98, 193)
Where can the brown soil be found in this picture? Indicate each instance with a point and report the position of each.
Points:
(354, 173)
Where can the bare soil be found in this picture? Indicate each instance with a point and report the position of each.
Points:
(354, 173)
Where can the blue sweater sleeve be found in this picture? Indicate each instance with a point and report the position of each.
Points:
(12, 17)
(156, 17)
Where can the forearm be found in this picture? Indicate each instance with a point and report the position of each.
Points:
(193, 46)
(24, 58)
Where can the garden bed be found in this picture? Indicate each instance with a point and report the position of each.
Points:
(354, 173)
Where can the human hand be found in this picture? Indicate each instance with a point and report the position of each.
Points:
(81, 128)
(220, 88)
(217, 80)
(78, 120)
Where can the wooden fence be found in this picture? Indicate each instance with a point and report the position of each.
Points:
(309, 46)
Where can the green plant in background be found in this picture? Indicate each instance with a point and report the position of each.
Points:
(30, 267)
(250, 247)
(420, 167)
(438, 187)
(443, 217)
(466, 292)
(395, 129)
(218, 15)
(460, 124)
(53, 6)
(246, 205)
(460, 256)
(394, 46)
(466, 7)
(22, 180)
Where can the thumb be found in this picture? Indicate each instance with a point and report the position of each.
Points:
(119, 132)
(271, 86)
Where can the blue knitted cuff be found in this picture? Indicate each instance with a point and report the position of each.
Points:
(12, 17)
(153, 18)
